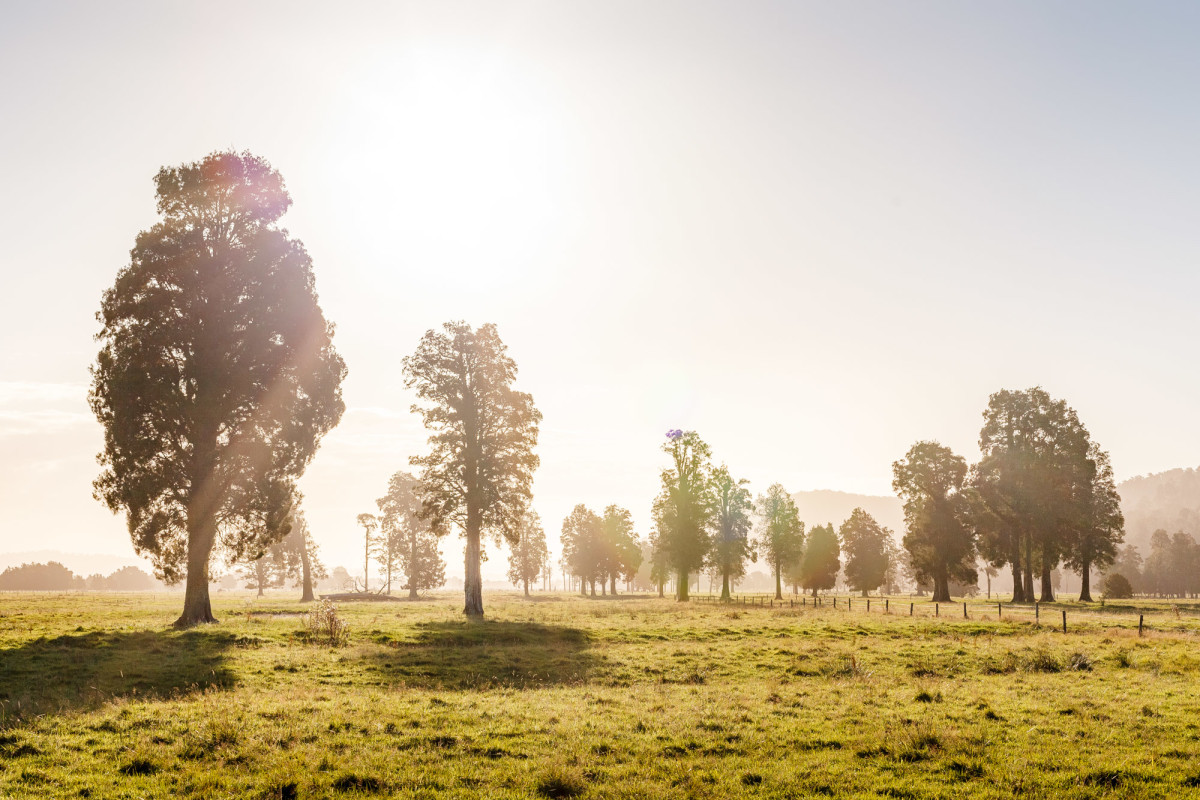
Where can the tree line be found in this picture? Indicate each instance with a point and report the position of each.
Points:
(1172, 569)
(53, 576)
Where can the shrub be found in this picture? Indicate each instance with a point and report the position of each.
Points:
(1080, 662)
(1117, 587)
(324, 626)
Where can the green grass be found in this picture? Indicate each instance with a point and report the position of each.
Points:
(572, 697)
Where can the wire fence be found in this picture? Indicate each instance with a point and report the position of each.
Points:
(1053, 616)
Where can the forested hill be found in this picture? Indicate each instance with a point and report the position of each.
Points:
(820, 507)
(1168, 500)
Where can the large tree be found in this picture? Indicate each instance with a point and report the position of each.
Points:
(529, 555)
(478, 475)
(583, 546)
(407, 542)
(622, 552)
(216, 377)
(821, 562)
(940, 539)
(732, 520)
(866, 544)
(781, 533)
(683, 510)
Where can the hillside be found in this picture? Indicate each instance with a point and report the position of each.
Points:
(1169, 500)
(825, 505)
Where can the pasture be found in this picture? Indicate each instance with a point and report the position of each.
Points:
(627, 697)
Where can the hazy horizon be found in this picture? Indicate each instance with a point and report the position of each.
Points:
(815, 233)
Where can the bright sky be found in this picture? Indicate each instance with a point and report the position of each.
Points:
(814, 232)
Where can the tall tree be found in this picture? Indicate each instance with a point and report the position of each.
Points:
(529, 556)
(407, 542)
(781, 533)
(1128, 563)
(865, 543)
(583, 544)
(370, 526)
(940, 540)
(683, 510)
(821, 562)
(1099, 524)
(301, 557)
(478, 474)
(732, 520)
(216, 377)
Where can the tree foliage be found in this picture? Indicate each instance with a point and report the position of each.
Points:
(216, 377)
(867, 546)
(940, 539)
(821, 561)
(529, 555)
(478, 474)
(781, 533)
(406, 542)
(683, 510)
(732, 521)
(583, 546)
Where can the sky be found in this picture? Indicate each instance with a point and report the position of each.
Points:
(813, 232)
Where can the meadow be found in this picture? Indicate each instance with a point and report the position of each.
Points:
(629, 697)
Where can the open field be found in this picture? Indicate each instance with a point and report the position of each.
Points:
(563, 696)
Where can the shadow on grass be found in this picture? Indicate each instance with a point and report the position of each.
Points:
(85, 670)
(487, 654)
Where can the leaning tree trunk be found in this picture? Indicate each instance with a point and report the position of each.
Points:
(681, 590)
(473, 584)
(724, 585)
(197, 610)
(1085, 588)
(941, 589)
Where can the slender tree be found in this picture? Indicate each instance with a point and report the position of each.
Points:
(732, 520)
(216, 377)
(530, 556)
(301, 556)
(1099, 526)
(683, 511)
(478, 474)
(407, 542)
(621, 550)
(865, 543)
(583, 543)
(821, 562)
(940, 540)
(370, 526)
(781, 533)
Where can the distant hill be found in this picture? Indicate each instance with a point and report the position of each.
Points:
(825, 505)
(79, 563)
(1168, 500)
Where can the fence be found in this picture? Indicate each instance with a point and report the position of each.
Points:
(885, 605)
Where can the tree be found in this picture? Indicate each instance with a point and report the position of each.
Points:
(300, 552)
(529, 556)
(821, 562)
(1099, 526)
(370, 526)
(621, 553)
(406, 541)
(1117, 587)
(582, 543)
(1129, 563)
(930, 480)
(479, 471)
(865, 543)
(781, 533)
(683, 510)
(216, 377)
(51, 576)
(732, 520)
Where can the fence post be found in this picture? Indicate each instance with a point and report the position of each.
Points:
(937, 612)
(849, 604)
(910, 609)
(1037, 613)
(965, 611)
(1141, 617)
(885, 605)
(1064, 620)
(999, 610)
(868, 605)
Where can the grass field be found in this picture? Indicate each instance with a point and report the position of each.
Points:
(563, 696)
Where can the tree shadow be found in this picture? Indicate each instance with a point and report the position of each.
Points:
(84, 670)
(487, 654)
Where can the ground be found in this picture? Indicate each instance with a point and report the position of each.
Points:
(562, 696)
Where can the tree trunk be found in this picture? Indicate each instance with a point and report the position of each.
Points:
(1047, 582)
(941, 589)
(612, 589)
(527, 587)
(864, 592)
(814, 593)
(366, 559)
(592, 586)
(724, 585)
(305, 573)
(1029, 595)
(1085, 578)
(196, 607)
(681, 590)
(473, 585)
(1018, 589)
(778, 585)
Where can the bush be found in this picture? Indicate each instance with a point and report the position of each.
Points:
(1117, 587)
(324, 626)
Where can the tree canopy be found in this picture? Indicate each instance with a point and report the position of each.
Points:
(405, 541)
(216, 376)
(683, 510)
(868, 547)
(732, 521)
(781, 533)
